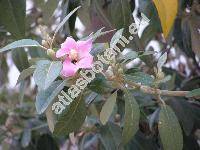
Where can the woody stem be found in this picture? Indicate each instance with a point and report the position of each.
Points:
(153, 91)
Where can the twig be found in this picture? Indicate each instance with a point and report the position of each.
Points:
(153, 91)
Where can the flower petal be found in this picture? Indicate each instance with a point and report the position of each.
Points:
(84, 47)
(69, 44)
(60, 53)
(69, 69)
(85, 62)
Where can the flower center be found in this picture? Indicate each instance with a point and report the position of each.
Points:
(73, 55)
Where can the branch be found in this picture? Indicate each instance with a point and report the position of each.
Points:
(154, 91)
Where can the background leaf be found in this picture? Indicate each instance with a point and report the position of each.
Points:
(12, 16)
(47, 142)
(65, 19)
(194, 93)
(26, 138)
(121, 9)
(107, 108)
(162, 60)
(26, 73)
(48, 8)
(20, 59)
(131, 118)
(170, 130)
(110, 136)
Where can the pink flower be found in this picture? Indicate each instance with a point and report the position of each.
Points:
(77, 56)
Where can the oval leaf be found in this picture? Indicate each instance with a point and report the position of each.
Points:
(26, 73)
(129, 56)
(45, 97)
(26, 138)
(46, 72)
(20, 43)
(131, 118)
(51, 118)
(116, 37)
(110, 136)
(20, 58)
(72, 119)
(107, 108)
(169, 129)
(140, 77)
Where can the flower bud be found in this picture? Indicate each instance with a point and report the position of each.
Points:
(117, 118)
(109, 73)
(40, 20)
(120, 71)
(117, 66)
(160, 75)
(51, 53)
(45, 43)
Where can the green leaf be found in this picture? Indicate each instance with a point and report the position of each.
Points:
(45, 97)
(26, 138)
(12, 16)
(26, 73)
(98, 48)
(131, 118)
(65, 19)
(72, 20)
(110, 136)
(22, 89)
(37, 52)
(46, 72)
(20, 59)
(184, 112)
(120, 13)
(72, 119)
(99, 84)
(154, 27)
(47, 8)
(129, 56)
(46, 141)
(83, 13)
(98, 34)
(20, 43)
(116, 37)
(51, 118)
(140, 77)
(162, 60)
(146, 53)
(169, 129)
(102, 13)
(195, 37)
(3, 69)
(194, 93)
(33, 61)
(107, 108)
